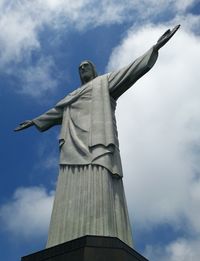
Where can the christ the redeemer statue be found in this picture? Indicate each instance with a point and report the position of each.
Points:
(89, 197)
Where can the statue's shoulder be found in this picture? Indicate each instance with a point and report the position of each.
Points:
(72, 96)
(69, 98)
(100, 78)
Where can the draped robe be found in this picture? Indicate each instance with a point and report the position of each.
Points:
(89, 197)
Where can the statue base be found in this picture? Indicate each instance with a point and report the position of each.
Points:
(88, 248)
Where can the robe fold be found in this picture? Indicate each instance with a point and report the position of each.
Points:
(89, 147)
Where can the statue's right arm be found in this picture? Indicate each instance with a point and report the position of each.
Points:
(45, 121)
(24, 125)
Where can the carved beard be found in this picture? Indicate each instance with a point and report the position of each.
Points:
(86, 77)
(93, 74)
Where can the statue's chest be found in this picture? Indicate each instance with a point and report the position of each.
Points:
(80, 110)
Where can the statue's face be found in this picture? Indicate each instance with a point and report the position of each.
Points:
(86, 72)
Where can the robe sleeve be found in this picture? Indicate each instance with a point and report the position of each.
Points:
(122, 80)
(48, 119)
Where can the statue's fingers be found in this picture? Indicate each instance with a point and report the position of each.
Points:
(170, 33)
(18, 128)
(23, 123)
(166, 33)
(177, 27)
(173, 31)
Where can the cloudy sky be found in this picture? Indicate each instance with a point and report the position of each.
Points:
(42, 43)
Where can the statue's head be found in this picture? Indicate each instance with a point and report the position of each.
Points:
(87, 71)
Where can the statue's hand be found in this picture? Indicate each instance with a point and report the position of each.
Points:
(24, 125)
(165, 37)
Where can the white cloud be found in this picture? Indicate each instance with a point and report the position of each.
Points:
(184, 4)
(159, 132)
(179, 250)
(37, 80)
(18, 33)
(28, 213)
(189, 22)
(184, 250)
(22, 20)
(159, 128)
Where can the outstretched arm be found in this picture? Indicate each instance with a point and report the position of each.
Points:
(44, 121)
(165, 38)
(122, 80)
(24, 125)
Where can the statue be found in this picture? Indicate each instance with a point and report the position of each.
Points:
(89, 197)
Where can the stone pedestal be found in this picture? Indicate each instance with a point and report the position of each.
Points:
(88, 248)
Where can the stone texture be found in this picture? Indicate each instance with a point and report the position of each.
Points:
(89, 201)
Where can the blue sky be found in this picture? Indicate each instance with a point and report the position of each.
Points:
(41, 46)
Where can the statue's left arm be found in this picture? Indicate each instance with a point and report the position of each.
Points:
(123, 79)
(48, 119)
